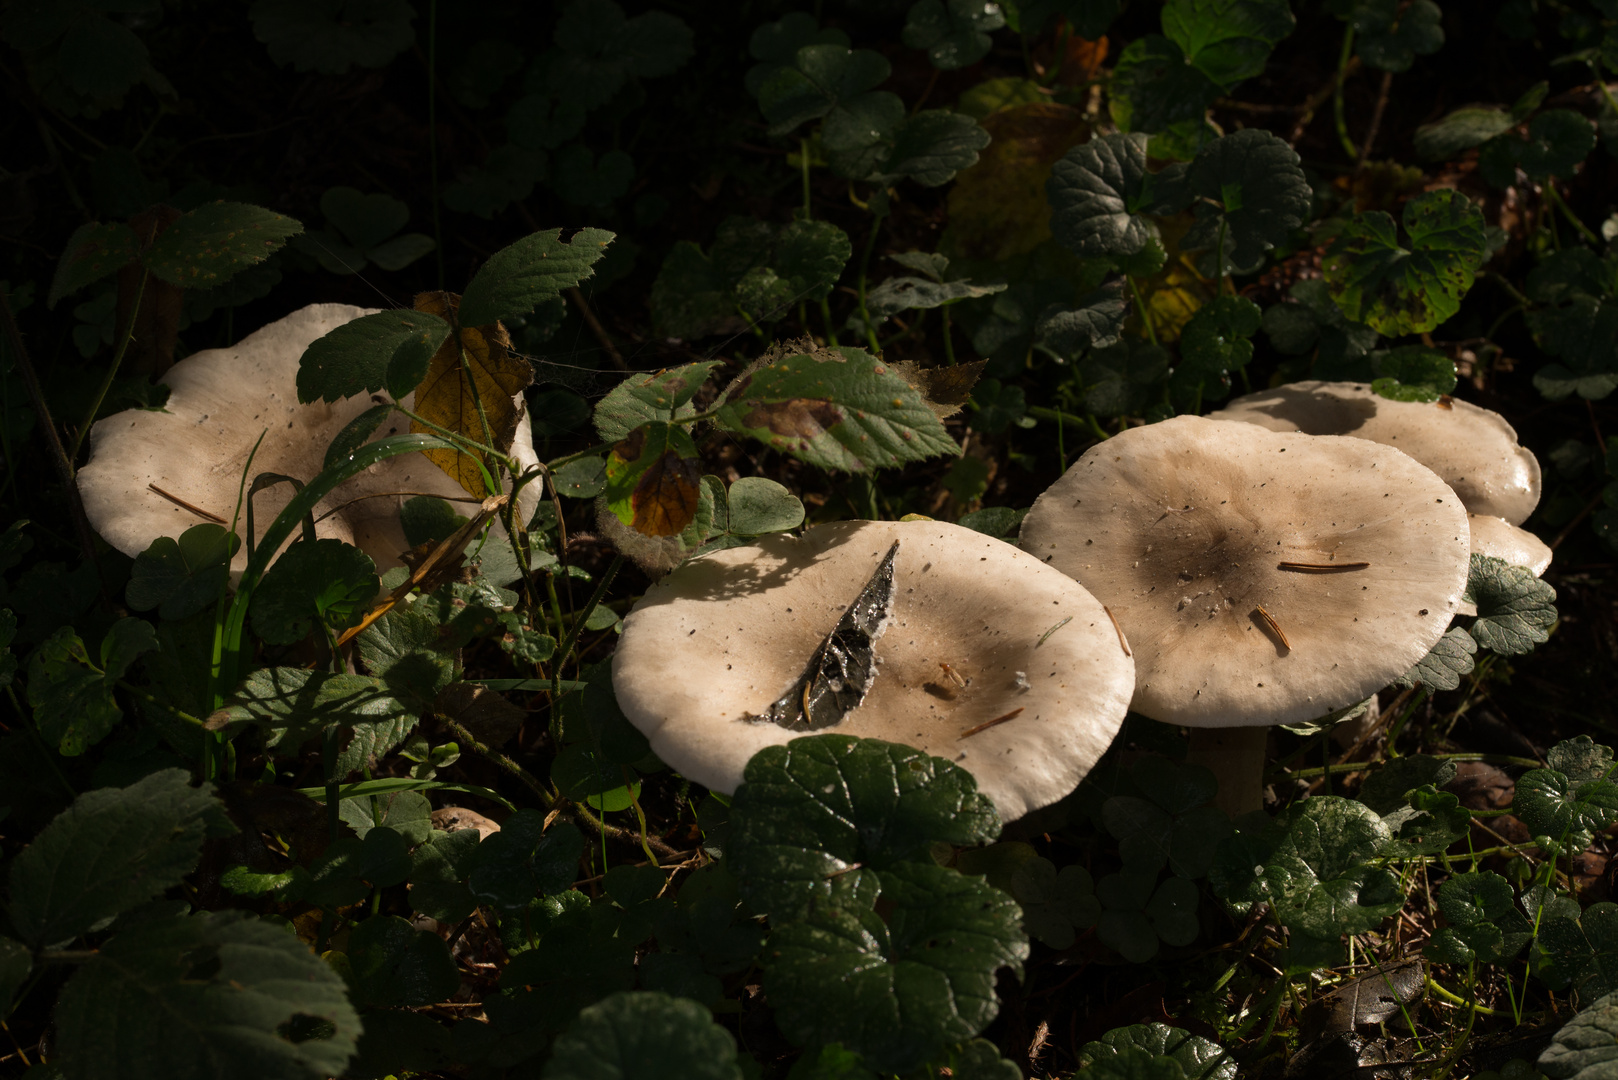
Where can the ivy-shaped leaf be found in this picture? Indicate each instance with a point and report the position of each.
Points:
(1227, 40)
(1444, 664)
(1515, 609)
(1580, 759)
(1484, 923)
(1198, 1058)
(1250, 190)
(1395, 290)
(1100, 194)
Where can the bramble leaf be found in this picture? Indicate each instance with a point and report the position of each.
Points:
(92, 252)
(521, 276)
(215, 242)
(360, 356)
(665, 395)
(653, 475)
(1399, 291)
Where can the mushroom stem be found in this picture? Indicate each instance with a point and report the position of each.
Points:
(1236, 756)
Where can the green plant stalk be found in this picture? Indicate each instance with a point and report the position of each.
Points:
(1356, 766)
(949, 343)
(1140, 306)
(470, 741)
(432, 131)
(112, 370)
(1219, 284)
(1554, 197)
(825, 314)
(1061, 443)
(556, 606)
(1337, 95)
(865, 266)
(803, 162)
(483, 417)
(565, 650)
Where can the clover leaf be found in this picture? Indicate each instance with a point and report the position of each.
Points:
(1172, 825)
(775, 45)
(1100, 194)
(1198, 1058)
(1515, 609)
(1484, 923)
(181, 577)
(1055, 904)
(871, 138)
(1395, 290)
(814, 812)
(1227, 40)
(1135, 916)
(899, 988)
(1311, 864)
(599, 50)
(955, 33)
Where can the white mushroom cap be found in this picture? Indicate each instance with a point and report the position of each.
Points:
(1500, 538)
(1181, 529)
(727, 634)
(1474, 450)
(197, 446)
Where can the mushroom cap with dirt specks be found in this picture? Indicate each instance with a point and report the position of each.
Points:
(1181, 529)
(196, 448)
(725, 635)
(1472, 449)
(1500, 538)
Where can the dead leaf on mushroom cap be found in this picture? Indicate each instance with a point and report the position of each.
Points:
(446, 396)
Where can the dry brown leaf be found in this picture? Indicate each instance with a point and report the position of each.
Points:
(997, 208)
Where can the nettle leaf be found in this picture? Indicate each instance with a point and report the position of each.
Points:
(1055, 904)
(653, 478)
(821, 76)
(1198, 1058)
(807, 812)
(92, 252)
(1100, 194)
(394, 964)
(1587, 1045)
(641, 398)
(955, 33)
(1412, 373)
(113, 849)
(407, 813)
(215, 242)
(599, 50)
(1558, 140)
(775, 45)
(1155, 89)
(330, 37)
(755, 269)
(1445, 663)
(1484, 923)
(215, 994)
(1390, 34)
(363, 355)
(1515, 609)
(899, 988)
(835, 409)
(1218, 337)
(327, 581)
(641, 1033)
(1399, 291)
(181, 577)
(521, 276)
(1462, 129)
(1250, 189)
(1552, 805)
(1227, 40)
(294, 705)
(403, 650)
(1311, 864)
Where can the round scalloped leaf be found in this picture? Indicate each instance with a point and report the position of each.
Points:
(216, 241)
(1484, 923)
(1100, 193)
(634, 1034)
(1250, 188)
(328, 580)
(1398, 291)
(1580, 758)
(1515, 609)
(821, 76)
(1198, 1058)
(1218, 337)
(1552, 805)
(900, 987)
(776, 44)
(394, 964)
(1445, 663)
(1558, 140)
(1154, 89)
(211, 994)
(955, 33)
(1412, 373)
(181, 577)
(814, 808)
(1227, 40)
(330, 36)
(1391, 34)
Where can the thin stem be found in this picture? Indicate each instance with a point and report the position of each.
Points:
(803, 161)
(566, 648)
(112, 371)
(1376, 121)
(865, 266)
(1337, 101)
(1145, 316)
(470, 741)
(949, 343)
(1554, 197)
(432, 130)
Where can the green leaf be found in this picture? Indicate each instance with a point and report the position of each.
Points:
(1309, 320)
(1198, 1058)
(1094, 321)
(599, 50)
(1399, 291)
(1100, 193)
(1461, 129)
(524, 860)
(1250, 189)
(215, 242)
(1515, 609)
(870, 138)
(350, 869)
(582, 179)
(639, 1033)
(1431, 822)
(520, 276)
(356, 357)
(896, 989)
(1155, 89)
(1390, 34)
(427, 519)
(1585, 1047)
(402, 649)
(438, 873)
(579, 958)
(327, 581)
(665, 395)
(1558, 140)
(407, 813)
(1580, 759)
(113, 849)
(583, 777)
(1412, 373)
(181, 578)
(507, 175)
(835, 409)
(1445, 663)
(92, 252)
(1484, 923)
(1584, 333)
(15, 964)
(1586, 951)
(583, 478)
(955, 33)
(1550, 804)
(1227, 40)
(214, 994)
(1312, 865)
(396, 964)
(821, 76)
(1055, 904)
(757, 505)
(807, 812)
(1218, 337)
(331, 37)
(294, 705)
(1123, 379)
(776, 45)
(72, 698)
(652, 479)
(898, 294)
(757, 271)
(1089, 18)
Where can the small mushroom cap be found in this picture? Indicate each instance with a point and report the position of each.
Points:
(196, 448)
(725, 635)
(1500, 538)
(1181, 529)
(1472, 449)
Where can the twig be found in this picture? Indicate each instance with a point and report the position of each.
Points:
(1376, 122)
(987, 724)
(597, 329)
(197, 510)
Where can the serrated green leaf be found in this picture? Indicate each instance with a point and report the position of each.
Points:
(665, 395)
(1399, 291)
(294, 705)
(113, 849)
(1586, 1047)
(349, 869)
(1580, 758)
(1100, 193)
(1227, 40)
(395, 964)
(871, 138)
(1431, 822)
(579, 958)
(1198, 1058)
(1311, 321)
(326, 581)
(1445, 663)
(1094, 321)
(1154, 88)
(182, 577)
(1390, 35)
(186, 995)
(640, 1033)
(92, 252)
(1218, 337)
(900, 988)
(215, 242)
(1515, 609)
(354, 358)
(1250, 189)
(403, 650)
(1484, 923)
(74, 707)
(1552, 805)
(756, 269)
(1461, 129)
(898, 294)
(1584, 952)
(836, 409)
(407, 813)
(521, 276)
(807, 812)
(1412, 373)
(821, 76)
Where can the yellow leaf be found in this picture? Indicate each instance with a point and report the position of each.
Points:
(997, 208)
(478, 367)
(1174, 294)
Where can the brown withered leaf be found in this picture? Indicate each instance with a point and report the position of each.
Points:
(945, 389)
(482, 360)
(997, 208)
(654, 479)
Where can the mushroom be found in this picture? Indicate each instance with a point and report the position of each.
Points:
(916, 632)
(156, 473)
(1500, 538)
(1262, 578)
(1474, 450)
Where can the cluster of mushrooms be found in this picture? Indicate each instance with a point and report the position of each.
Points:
(1277, 562)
